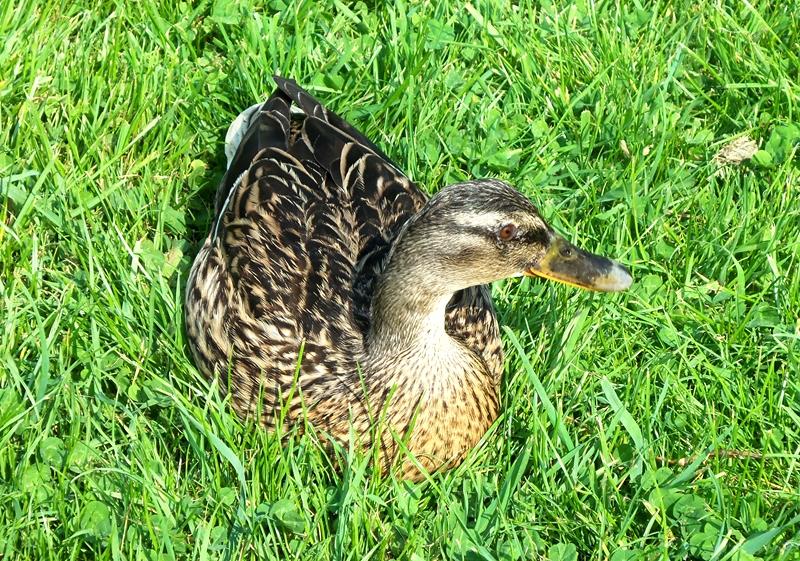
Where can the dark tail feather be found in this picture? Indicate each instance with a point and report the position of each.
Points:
(269, 128)
(327, 144)
(314, 108)
(365, 174)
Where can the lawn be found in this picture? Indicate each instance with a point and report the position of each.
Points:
(660, 423)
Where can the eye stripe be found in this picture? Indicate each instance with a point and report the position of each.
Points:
(538, 235)
(474, 230)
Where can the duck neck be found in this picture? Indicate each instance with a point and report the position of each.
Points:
(408, 314)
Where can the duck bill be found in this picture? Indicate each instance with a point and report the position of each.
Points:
(571, 265)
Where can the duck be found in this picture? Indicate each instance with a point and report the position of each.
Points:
(332, 292)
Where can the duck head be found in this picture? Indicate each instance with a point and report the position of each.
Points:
(482, 231)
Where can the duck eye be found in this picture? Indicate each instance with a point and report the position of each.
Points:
(507, 232)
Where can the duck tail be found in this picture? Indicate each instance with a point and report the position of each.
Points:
(313, 108)
(255, 129)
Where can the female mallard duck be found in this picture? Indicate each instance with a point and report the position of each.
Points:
(330, 288)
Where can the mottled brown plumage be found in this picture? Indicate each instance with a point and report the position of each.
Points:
(329, 286)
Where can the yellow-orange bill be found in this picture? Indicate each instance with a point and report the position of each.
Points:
(571, 265)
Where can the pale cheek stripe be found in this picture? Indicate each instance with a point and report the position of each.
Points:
(483, 220)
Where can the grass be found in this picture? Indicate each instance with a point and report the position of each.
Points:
(660, 423)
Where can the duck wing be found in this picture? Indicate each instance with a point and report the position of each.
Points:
(384, 199)
(380, 196)
(303, 215)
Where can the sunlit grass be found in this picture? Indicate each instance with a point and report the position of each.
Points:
(659, 423)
